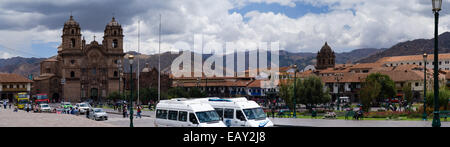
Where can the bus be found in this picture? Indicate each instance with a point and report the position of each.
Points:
(42, 98)
(186, 113)
(238, 112)
(22, 99)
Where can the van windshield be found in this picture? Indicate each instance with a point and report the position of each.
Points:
(207, 116)
(255, 113)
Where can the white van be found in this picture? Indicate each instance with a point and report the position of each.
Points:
(186, 113)
(239, 112)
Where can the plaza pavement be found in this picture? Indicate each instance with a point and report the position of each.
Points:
(24, 119)
(292, 122)
(8, 118)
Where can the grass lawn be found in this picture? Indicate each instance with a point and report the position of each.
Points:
(320, 116)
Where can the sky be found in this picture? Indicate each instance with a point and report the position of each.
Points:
(32, 28)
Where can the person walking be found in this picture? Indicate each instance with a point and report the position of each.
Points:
(124, 111)
(4, 104)
(28, 107)
(9, 105)
(139, 111)
(87, 113)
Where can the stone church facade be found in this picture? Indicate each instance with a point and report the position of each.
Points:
(83, 71)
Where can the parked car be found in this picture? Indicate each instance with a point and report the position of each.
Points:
(45, 108)
(98, 114)
(66, 105)
(82, 107)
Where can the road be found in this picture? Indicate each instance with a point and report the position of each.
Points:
(8, 118)
(351, 123)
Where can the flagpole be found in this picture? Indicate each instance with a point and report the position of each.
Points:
(159, 61)
(138, 59)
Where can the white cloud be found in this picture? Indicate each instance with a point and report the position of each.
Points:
(5, 55)
(349, 24)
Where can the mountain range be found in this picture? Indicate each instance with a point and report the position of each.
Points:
(26, 66)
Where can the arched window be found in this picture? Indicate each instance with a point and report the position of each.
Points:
(72, 74)
(115, 43)
(73, 31)
(115, 33)
(72, 43)
(116, 74)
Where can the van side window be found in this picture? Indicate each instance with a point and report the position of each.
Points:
(192, 118)
(240, 115)
(173, 115)
(229, 113)
(182, 116)
(162, 114)
(219, 112)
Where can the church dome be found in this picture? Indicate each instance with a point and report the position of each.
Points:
(71, 22)
(326, 48)
(113, 23)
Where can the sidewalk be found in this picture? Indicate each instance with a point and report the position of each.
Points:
(297, 122)
(143, 114)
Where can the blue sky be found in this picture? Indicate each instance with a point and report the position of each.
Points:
(293, 12)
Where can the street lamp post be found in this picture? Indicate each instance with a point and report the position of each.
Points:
(338, 78)
(295, 89)
(437, 4)
(424, 116)
(119, 66)
(131, 59)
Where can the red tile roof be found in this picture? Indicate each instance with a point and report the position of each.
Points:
(13, 78)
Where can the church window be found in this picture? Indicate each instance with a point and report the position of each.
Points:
(115, 43)
(115, 33)
(47, 70)
(72, 74)
(72, 61)
(116, 74)
(73, 31)
(72, 43)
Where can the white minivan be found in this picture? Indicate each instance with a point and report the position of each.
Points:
(186, 113)
(239, 112)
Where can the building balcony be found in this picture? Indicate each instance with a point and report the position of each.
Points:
(14, 89)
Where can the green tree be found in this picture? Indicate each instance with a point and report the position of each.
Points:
(114, 96)
(377, 87)
(147, 94)
(444, 95)
(177, 92)
(408, 93)
(368, 93)
(311, 92)
(286, 92)
(196, 93)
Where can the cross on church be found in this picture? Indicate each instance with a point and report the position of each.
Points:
(94, 37)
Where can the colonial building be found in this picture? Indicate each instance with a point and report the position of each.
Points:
(444, 61)
(325, 57)
(12, 84)
(83, 71)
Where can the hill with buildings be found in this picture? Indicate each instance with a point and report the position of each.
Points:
(414, 47)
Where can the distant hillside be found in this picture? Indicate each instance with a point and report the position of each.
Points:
(21, 66)
(415, 47)
(26, 66)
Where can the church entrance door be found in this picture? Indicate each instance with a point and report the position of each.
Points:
(94, 94)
